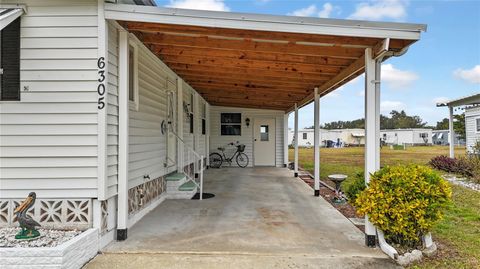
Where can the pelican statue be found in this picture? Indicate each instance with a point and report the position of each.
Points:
(26, 223)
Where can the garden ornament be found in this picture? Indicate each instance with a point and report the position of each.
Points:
(26, 222)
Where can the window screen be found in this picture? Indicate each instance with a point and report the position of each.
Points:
(10, 62)
(304, 136)
(131, 73)
(231, 123)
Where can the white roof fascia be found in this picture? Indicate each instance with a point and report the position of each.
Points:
(473, 99)
(8, 17)
(262, 22)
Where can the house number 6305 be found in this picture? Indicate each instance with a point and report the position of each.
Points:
(101, 84)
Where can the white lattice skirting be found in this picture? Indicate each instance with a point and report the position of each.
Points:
(51, 213)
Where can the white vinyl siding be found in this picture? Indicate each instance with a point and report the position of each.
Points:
(48, 140)
(472, 115)
(217, 140)
(147, 145)
(112, 112)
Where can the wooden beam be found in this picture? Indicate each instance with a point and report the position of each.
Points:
(244, 94)
(249, 83)
(248, 45)
(271, 65)
(261, 79)
(247, 71)
(231, 85)
(264, 105)
(247, 55)
(343, 77)
(249, 34)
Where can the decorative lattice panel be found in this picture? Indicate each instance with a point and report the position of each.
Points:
(51, 213)
(143, 194)
(104, 219)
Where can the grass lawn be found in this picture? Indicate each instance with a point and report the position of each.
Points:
(458, 234)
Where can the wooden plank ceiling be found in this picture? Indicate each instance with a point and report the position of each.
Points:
(255, 69)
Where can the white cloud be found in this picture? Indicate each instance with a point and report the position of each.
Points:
(470, 75)
(388, 106)
(380, 9)
(397, 79)
(441, 99)
(313, 11)
(215, 5)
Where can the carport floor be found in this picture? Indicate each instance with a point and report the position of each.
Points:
(259, 218)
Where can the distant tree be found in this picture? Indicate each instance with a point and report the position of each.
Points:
(395, 121)
(459, 125)
(442, 125)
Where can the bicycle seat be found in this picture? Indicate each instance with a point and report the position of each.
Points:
(221, 148)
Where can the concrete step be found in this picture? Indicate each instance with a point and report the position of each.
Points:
(187, 186)
(175, 177)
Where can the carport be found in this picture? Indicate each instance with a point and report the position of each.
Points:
(267, 221)
(274, 62)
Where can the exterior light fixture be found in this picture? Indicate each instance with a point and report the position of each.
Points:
(247, 121)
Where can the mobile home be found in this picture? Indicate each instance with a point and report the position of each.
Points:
(108, 109)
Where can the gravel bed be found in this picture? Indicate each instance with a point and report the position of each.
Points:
(48, 238)
(462, 182)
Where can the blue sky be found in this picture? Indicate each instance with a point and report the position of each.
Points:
(444, 64)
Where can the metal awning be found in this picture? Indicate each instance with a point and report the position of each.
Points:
(260, 61)
(473, 99)
(7, 15)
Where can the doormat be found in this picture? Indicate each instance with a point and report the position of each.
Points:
(206, 195)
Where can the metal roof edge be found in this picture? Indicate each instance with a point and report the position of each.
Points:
(291, 23)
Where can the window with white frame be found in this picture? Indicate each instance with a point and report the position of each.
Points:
(478, 125)
(231, 123)
(204, 119)
(133, 75)
(304, 136)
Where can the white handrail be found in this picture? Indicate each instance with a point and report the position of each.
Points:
(193, 161)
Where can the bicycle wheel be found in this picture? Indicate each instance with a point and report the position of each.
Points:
(242, 159)
(216, 160)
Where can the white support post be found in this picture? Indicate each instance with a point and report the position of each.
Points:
(295, 139)
(123, 104)
(316, 143)
(285, 139)
(207, 134)
(180, 119)
(372, 132)
(452, 132)
(102, 102)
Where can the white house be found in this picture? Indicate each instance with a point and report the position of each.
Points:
(352, 137)
(472, 119)
(108, 109)
(442, 137)
(413, 136)
(342, 137)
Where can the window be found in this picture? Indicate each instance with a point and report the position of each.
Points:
(10, 62)
(231, 123)
(264, 133)
(304, 136)
(204, 119)
(478, 125)
(191, 112)
(423, 135)
(133, 75)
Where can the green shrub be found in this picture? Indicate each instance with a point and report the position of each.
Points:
(404, 202)
(354, 187)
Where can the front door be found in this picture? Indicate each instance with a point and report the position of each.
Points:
(172, 127)
(264, 142)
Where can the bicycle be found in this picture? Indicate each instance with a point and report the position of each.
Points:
(216, 160)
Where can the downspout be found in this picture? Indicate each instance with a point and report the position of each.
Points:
(384, 246)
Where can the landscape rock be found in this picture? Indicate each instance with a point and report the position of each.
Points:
(409, 257)
(48, 238)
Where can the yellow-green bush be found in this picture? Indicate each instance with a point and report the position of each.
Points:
(404, 201)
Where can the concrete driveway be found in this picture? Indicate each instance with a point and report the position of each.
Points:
(259, 218)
